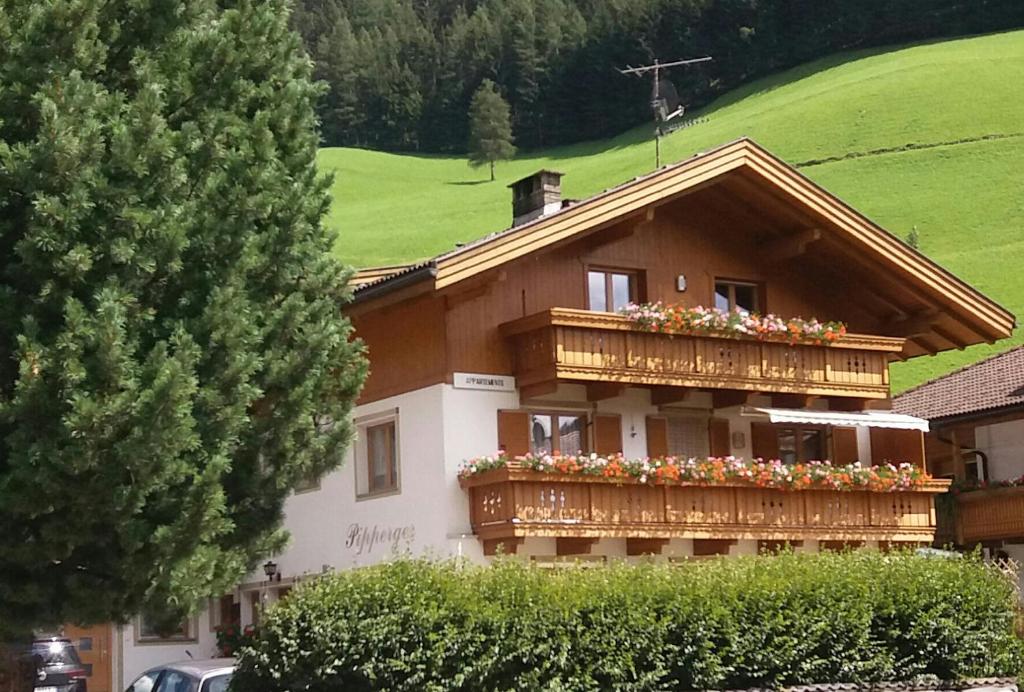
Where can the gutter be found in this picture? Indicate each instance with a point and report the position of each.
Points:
(394, 282)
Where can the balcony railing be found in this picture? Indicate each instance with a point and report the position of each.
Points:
(513, 503)
(996, 514)
(564, 344)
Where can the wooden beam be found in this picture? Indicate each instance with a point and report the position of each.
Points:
(788, 247)
(792, 400)
(502, 546)
(847, 403)
(574, 546)
(926, 344)
(724, 398)
(770, 546)
(645, 546)
(663, 396)
(917, 324)
(599, 391)
(532, 391)
(950, 337)
(703, 547)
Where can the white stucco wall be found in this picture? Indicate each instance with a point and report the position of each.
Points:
(1004, 445)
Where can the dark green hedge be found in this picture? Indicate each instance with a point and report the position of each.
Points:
(733, 623)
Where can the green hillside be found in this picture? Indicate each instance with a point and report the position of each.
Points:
(929, 135)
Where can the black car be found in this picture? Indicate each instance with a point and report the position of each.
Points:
(58, 668)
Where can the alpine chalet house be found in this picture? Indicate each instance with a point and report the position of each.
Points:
(976, 438)
(547, 342)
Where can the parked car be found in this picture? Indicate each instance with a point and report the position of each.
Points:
(58, 668)
(212, 675)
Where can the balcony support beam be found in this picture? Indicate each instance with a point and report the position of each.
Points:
(792, 400)
(599, 391)
(502, 546)
(532, 391)
(725, 398)
(663, 396)
(645, 546)
(848, 403)
(574, 546)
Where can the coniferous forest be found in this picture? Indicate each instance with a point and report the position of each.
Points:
(400, 74)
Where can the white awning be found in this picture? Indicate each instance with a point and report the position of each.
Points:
(867, 419)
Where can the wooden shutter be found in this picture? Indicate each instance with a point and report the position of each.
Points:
(514, 432)
(718, 437)
(844, 445)
(657, 436)
(607, 433)
(896, 446)
(764, 440)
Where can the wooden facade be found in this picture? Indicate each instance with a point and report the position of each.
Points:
(510, 503)
(990, 516)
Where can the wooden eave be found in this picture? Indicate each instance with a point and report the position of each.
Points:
(980, 318)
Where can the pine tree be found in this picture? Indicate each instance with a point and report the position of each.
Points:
(172, 355)
(490, 129)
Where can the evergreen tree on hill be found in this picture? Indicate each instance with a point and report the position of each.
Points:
(490, 128)
(172, 355)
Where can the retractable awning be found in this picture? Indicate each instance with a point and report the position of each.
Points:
(867, 419)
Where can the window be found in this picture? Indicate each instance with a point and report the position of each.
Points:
(146, 630)
(377, 455)
(801, 444)
(382, 459)
(145, 682)
(224, 611)
(610, 291)
(732, 295)
(564, 433)
(688, 437)
(218, 683)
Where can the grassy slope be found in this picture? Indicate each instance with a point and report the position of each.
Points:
(931, 135)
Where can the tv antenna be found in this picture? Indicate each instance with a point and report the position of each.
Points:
(664, 98)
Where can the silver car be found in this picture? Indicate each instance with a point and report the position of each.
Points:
(212, 675)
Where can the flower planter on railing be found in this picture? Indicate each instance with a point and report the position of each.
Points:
(510, 501)
(569, 345)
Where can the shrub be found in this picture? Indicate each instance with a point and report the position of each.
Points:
(729, 624)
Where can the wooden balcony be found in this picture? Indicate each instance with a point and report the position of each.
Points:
(510, 503)
(577, 345)
(996, 514)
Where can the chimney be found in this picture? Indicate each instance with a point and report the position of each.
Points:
(536, 195)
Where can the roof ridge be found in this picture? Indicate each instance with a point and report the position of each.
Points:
(962, 368)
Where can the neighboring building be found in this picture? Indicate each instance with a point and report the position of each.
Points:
(977, 439)
(515, 342)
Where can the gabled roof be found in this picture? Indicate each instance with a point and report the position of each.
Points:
(983, 318)
(989, 385)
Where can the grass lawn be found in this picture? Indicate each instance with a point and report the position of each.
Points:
(930, 135)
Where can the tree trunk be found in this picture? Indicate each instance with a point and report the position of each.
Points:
(492, 171)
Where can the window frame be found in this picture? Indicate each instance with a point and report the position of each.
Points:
(363, 454)
(190, 635)
(555, 437)
(759, 298)
(635, 276)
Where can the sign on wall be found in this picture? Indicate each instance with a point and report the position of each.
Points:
(493, 383)
(364, 539)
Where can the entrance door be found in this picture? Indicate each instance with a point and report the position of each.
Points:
(93, 645)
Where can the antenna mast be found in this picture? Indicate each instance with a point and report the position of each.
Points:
(658, 103)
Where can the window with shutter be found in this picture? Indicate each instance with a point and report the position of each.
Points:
(514, 432)
(657, 436)
(607, 433)
(718, 436)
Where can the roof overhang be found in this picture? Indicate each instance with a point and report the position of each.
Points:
(864, 419)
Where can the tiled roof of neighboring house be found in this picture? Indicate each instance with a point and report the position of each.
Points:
(994, 383)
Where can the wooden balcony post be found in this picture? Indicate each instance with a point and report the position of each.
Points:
(959, 470)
